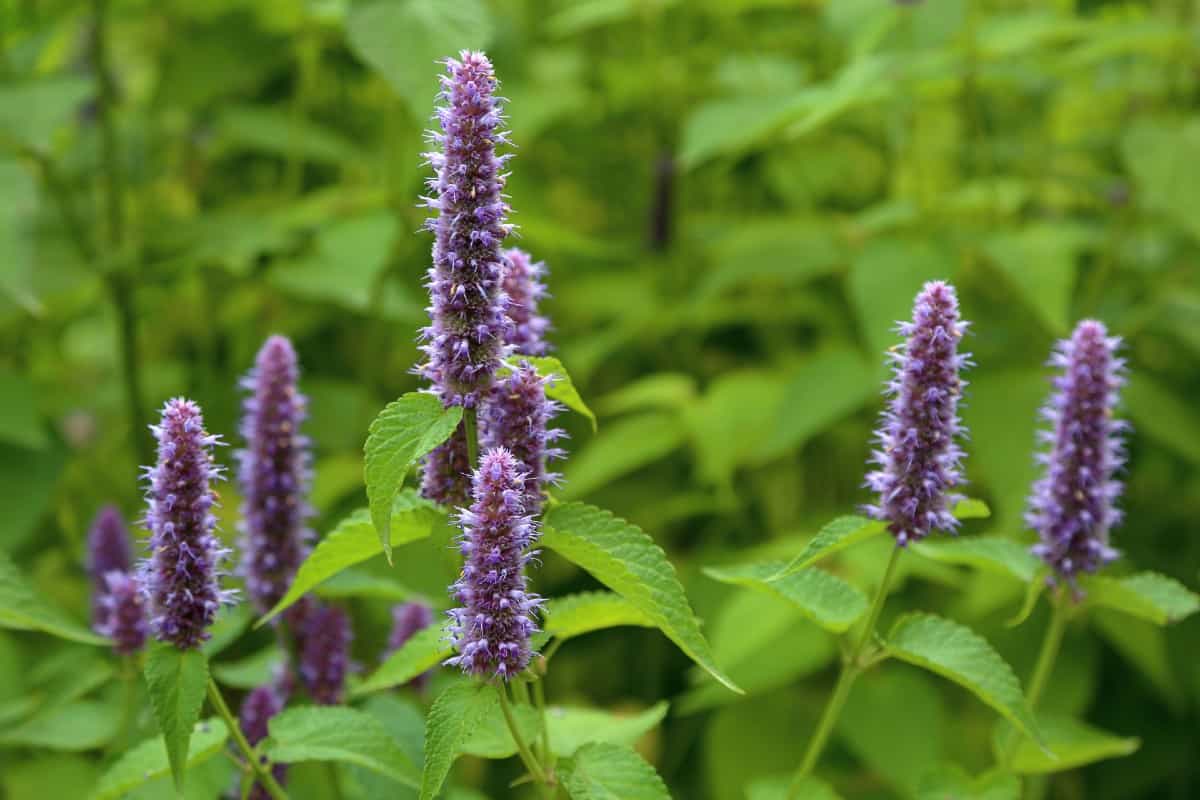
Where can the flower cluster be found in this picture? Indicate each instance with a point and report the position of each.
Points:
(408, 619)
(123, 611)
(446, 471)
(109, 549)
(524, 289)
(517, 416)
(260, 705)
(325, 654)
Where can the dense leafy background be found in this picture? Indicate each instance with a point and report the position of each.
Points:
(736, 199)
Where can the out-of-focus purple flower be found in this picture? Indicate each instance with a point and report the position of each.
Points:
(466, 336)
(446, 471)
(492, 628)
(274, 475)
(124, 607)
(109, 548)
(325, 654)
(919, 458)
(181, 576)
(524, 289)
(408, 619)
(517, 416)
(257, 709)
(1071, 507)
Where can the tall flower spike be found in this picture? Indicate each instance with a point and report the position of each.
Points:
(491, 630)
(919, 458)
(465, 339)
(1071, 507)
(109, 549)
(325, 654)
(524, 289)
(446, 471)
(517, 416)
(408, 619)
(274, 475)
(182, 572)
(124, 612)
(257, 709)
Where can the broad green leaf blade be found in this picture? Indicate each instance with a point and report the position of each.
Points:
(23, 610)
(624, 446)
(951, 782)
(605, 771)
(560, 387)
(572, 728)
(825, 599)
(148, 760)
(20, 423)
(577, 614)
(176, 680)
(336, 733)
(361, 583)
(839, 534)
(254, 670)
(425, 650)
(491, 737)
(993, 554)
(1148, 595)
(404, 431)
(956, 652)
(777, 789)
(970, 508)
(231, 622)
(83, 725)
(32, 111)
(1071, 743)
(457, 711)
(626, 560)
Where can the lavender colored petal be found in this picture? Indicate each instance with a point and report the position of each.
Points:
(517, 416)
(524, 288)
(124, 612)
(325, 654)
(446, 471)
(109, 549)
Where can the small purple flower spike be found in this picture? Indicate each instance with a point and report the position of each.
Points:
(524, 289)
(446, 471)
(919, 460)
(408, 619)
(124, 607)
(517, 416)
(181, 576)
(257, 710)
(325, 654)
(491, 630)
(109, 549)
(274, 475)
(466, 336)
(1072, 503)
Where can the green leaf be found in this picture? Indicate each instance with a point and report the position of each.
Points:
(425, 650)
(404, 431)
(825, 599)
(231, 622)
(176, 680)
(1144, 645)
(572, 728)
(560, 387)
(361, 583)
(1164, 158)
(20, 423)
(280, 131)
(1072, 743)
(777, 789)
(83, 725)
(253, 670)
(1162, 415)
(837, 535)
(776, 251)
(951, 782)
(32, 112)
(956, 652)
(577, 614)
(626, 560)
(624, 446)
(1148, 595)
(491, 737)
(148, 760)
(1039, 261)
(733, 421)
(730, 127)
(663, 390)
(336, 733)
(605, 771)
(994, 554)
(23, 610)
(457, 711)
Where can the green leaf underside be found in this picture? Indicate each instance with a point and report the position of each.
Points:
(956, 652)
(336, 733)
(951, 782)
(23, 610)
(777, 789)
(176, 680)
(404, 431)
(1072, 743)
(993, 554)
(1147, 595)
(457, 711)
(626, 560)
(825, 599)
(577, 614)
(573, 728)
(148, 760)
(560, 387)
(605, 771)
(425, 650)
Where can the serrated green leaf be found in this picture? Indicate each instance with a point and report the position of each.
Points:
(254, 670)
(491, 737)
(573, 728)
(404, 431)
(993, 554)
(455, 713)
(83, 725)
(956, 652)
(777, 789)
(626, 560)
(577, 614)
(622, 447)
(605, 771)
(951, 782)
(825, 599)
(176, 680)
(336, 733)
(560, 386)
(423, 651)
(1072, 743)
(23, 610)
(148, 760)
(1148, 595)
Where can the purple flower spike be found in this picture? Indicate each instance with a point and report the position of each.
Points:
(491, 631)
(257, 710)
(274, 475)
(124, 607)
(524, 289)
(408, 619)
(109, 549)
(1072, 503)
(466, 338)
(325, 654)
(446, 471)
(918, 458)
(181, 575)
(517, 416)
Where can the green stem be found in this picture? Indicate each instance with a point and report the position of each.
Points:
(1051, 644)
(469, 430)
(531, 763)
(129, 703)
(262, 770)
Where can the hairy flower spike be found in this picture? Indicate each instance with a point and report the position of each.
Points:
(466, 338)
(1071, 507)
(274, 475)
(109, 549)
(182, 572)
(446, 471)
(492, 628)
(517, 416)
(919, 459)
(257, 709)
(325, 654)
(524, 289)
(124, 612)
(408, 619)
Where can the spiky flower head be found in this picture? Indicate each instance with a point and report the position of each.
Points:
(524, 289)
(257, 709)
(109, 548)
(446, 471)
(1072, 504)
(124, 612)
(274, 475)
(465, 339)
(325, 654)
(517, 416)
(408, 619)
(918, 456)
(181, 576)
(491, 630)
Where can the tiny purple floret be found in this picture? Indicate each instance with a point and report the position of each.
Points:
(124, 605)
(446, 471)
(109, 549)
(325, 654)
(517, 416)
(524, 288)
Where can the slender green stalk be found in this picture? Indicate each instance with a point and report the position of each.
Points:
(129, 674)
(1051, 644)
(531, 763)
(539, 700)
(261, 770)
(470, 430)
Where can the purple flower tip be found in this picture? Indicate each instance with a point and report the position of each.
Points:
(918, 456)
(181, 576)
(408, 619)
(446, 471)
(498, 615)
(325, 654)
(1071, 507)
(274, 475)
(124, 615)
(109, 548)
(256, 712)
(524, 289)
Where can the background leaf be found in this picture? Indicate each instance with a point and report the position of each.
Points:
(148, 760)
(334, 733)
(457, 711)
(1073, 744)
(603, 770)
(825, 599)
(21, 609)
